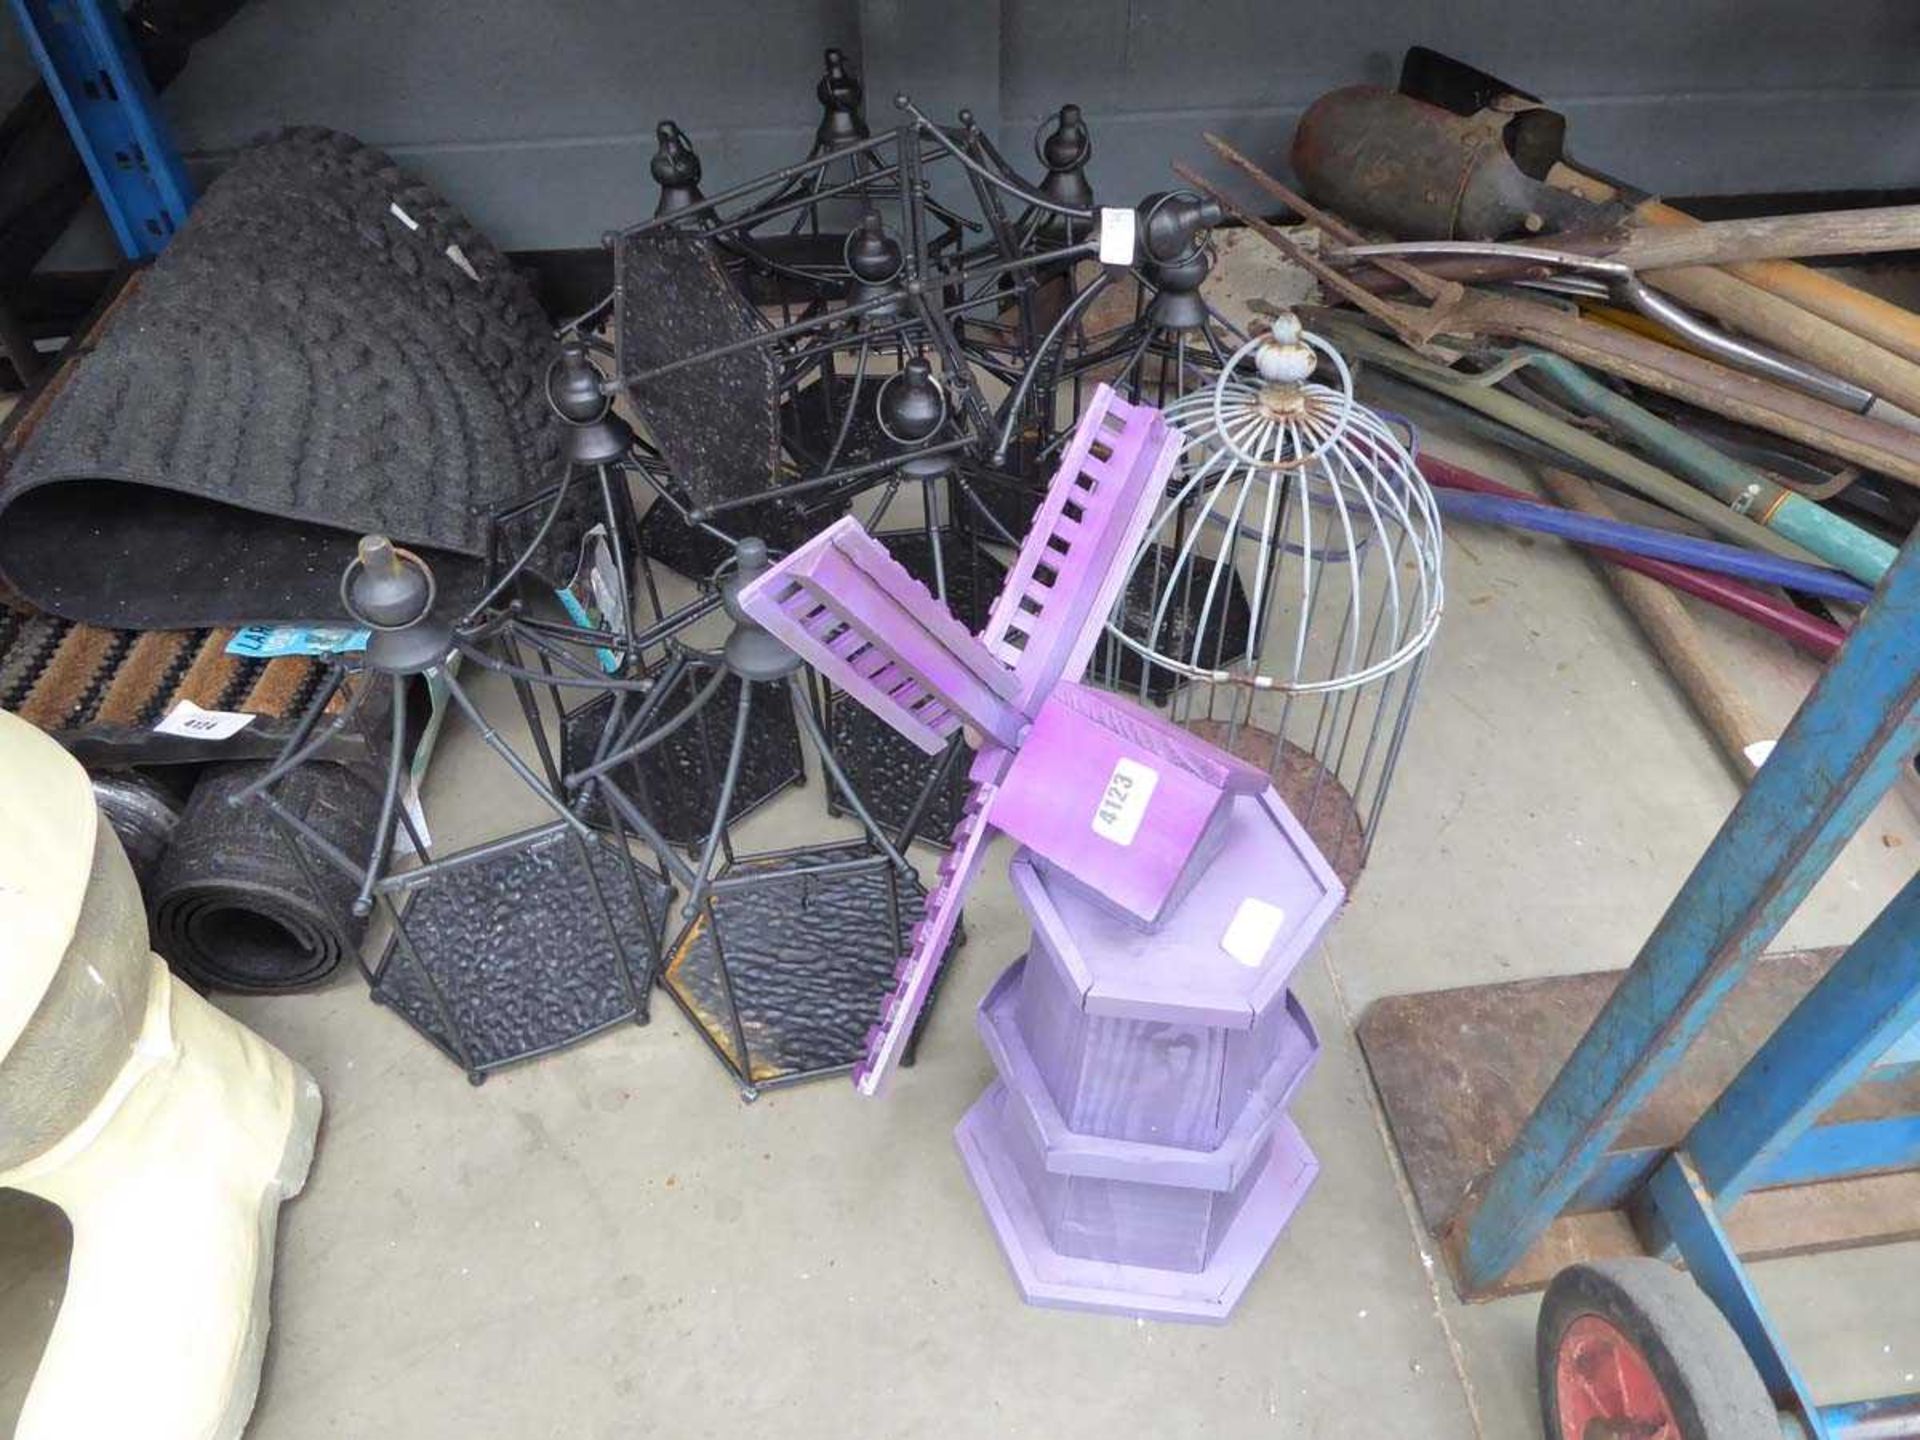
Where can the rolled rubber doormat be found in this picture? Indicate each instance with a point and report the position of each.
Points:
(326, 348)
(233, 907)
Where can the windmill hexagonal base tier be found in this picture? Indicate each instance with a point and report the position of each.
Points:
(989, 1147)
(1135, 1154)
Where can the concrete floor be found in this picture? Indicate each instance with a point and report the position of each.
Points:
(609, 1244)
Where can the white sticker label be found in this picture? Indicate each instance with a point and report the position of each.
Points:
(1759, 752)
(459, 257)
(1116, 235)
(1252, 931)
(1123, 805)
(604, 578)
(402, 216)
(190, 720)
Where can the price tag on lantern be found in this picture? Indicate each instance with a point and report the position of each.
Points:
(1116, 235)
(190, 720)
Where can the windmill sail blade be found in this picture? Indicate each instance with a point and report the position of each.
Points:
(887, 1041)
(851, 610)
(848, 608)
(1074, 560)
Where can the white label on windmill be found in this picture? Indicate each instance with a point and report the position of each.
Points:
(1252, 931)
(1116, 235)
(1123, 804)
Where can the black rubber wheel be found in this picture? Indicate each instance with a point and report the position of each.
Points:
(1634, 1348)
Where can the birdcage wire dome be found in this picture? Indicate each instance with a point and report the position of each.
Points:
(1295, 495)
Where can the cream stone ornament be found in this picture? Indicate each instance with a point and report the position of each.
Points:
(168, 1133)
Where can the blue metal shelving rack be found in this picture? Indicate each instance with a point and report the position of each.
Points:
(88, 62)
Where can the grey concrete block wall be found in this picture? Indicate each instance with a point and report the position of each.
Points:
(539, 117)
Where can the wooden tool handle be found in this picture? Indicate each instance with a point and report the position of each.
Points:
(1772, 237)
(1861, 439)
(1786, 326)
(1868, 316)
(1885, 324)
(1674, 637)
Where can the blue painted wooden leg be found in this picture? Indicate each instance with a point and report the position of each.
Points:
(1688, 1215)
(1866, 1002)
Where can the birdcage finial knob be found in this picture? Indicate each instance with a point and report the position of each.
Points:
(1285, 363)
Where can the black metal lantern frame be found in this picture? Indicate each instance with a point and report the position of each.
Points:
(768, 427)
(781, 955)
(859, 403)
(901, 294)
(907, 303)
(506, 950)
(524, 944)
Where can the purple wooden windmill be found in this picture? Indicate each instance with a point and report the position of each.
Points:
(1134, 1153)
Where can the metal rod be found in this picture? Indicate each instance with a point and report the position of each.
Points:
(729, 783)
(1681, 1203)
(640, 747)
(1892, 1417)
(761, 182)
(724, 973)
(731, 884)
(456, 1041)
(506, 752)
(616, 799)
(1012, 186)
(525, 557)
(773, 210)
(1018, 399)
(1812, 634)
(485, 661)
(837, 777)
(614, 733)
(389, 797)
(1836, 541)
(822, 482)
(311, 877)
(752, 342)
(583, 847)
(917, 813)
(291, 761)
(530, 707)
(1660, 544)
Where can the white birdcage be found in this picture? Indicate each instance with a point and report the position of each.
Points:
(1285, 595)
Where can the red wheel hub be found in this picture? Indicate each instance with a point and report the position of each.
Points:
(1605, 1388)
